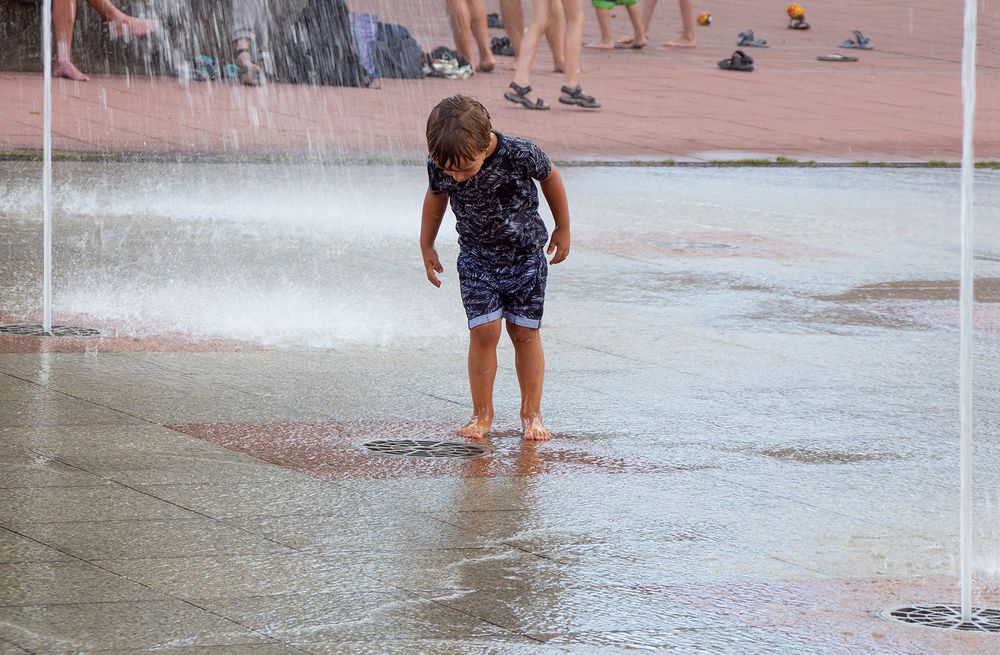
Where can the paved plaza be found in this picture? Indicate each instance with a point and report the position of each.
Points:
(901, 102)
(752, 374)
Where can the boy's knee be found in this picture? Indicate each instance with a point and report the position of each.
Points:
(520, 334)
(486, 333)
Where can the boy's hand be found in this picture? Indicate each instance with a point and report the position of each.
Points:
(432, 266)
(559, 244)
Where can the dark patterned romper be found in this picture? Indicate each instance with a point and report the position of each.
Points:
(501, 261)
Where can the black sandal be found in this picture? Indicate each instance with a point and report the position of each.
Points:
(740, 61)
(519, 97)
(576, 96)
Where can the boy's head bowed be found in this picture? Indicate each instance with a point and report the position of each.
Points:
(458, 131)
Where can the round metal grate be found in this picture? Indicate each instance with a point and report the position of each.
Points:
(419, 448)
(692, 245)
(27, 330)
(949, 617)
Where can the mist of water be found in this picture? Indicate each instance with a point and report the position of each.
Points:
(966, 301)
(47, 168)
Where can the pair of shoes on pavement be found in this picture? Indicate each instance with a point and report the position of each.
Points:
(570, 96)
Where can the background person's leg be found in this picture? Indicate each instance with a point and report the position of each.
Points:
(481, 33)
(648, 7)
(639, 39)
(461, 32)
(63, 20)
(512, 13)
(687, 38)
(121, 24)
(574, 40)
(604, 24)
(529, 46)
(250, 32)
(556, 36)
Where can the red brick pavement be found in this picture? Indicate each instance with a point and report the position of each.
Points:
(901, 102)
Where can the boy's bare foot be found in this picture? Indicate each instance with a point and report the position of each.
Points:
(69, 71)
(477, 428)
(682, 42)
(600, 45)
(640, 43)
(534, 430)
(559, 67)
(129, 26)
(487, 64)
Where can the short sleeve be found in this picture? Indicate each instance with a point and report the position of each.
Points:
(535, 161)
(436, 179)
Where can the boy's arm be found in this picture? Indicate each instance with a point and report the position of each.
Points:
(555, 195)
(430, 223)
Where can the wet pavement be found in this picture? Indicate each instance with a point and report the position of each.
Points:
(752, 380)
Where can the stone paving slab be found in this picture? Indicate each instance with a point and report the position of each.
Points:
(901, 102)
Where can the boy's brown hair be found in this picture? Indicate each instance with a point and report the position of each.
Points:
(458, 131)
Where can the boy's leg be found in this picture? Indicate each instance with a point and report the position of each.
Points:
(483, 341)
(603, 12)
(529, 360)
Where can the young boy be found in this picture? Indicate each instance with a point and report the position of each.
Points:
(489, 179)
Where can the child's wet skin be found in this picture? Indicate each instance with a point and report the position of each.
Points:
(534, 430)
(477, 428)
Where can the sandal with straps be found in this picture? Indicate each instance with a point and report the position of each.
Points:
(740, 61)
(575, 96)
(520, 97)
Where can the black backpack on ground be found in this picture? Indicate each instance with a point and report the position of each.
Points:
(321, 48)
(397, 53)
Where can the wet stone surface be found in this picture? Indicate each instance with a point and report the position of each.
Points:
(751, 380)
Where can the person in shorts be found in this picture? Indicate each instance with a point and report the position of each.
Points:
(489, 179)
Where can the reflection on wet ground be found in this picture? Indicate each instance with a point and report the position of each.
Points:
(751, 376)
(986, 290)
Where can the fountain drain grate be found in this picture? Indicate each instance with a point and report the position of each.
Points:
(948, 617)
(423, 448)
(28, 330)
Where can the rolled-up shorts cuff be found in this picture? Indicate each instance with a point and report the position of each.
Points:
(532, 323)
(485, 318)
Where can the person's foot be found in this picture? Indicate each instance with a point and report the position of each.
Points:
(600, 45)
(640, 42)
(559, 66)
(681, 42)
(627, 39)
(477, 428)
(534, 430)
(487, 64)
(69, 71)
(128, 26)
(250, 73)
